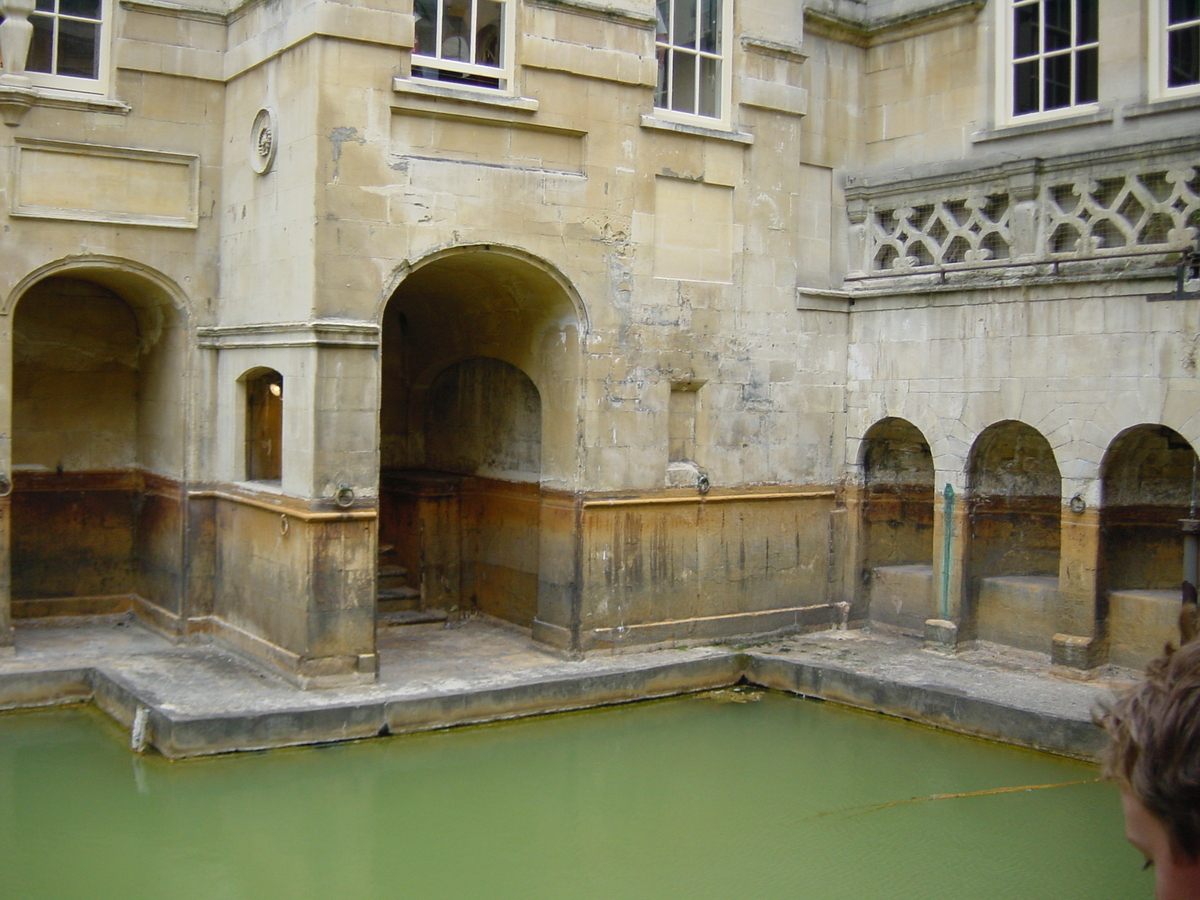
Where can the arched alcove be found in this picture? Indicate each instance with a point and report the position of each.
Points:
(1147, 486)
(97, 444)
(478, 420)
(1015, 501)
(897, 523)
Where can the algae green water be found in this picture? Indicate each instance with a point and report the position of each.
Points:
(712, 796)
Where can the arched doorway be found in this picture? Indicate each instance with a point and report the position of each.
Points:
(478, 424)
(1015, 501)
(897, 523)
(98, 447)
(1147, 484)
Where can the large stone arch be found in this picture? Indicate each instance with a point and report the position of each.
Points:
(1014, 495)
(98, 446)
(481, 366)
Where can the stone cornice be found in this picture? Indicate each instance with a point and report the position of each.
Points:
(317, 333)
(869, 32)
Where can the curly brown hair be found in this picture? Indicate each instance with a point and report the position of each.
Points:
(1154, 745)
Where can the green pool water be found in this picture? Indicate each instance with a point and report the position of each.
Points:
(725, 795)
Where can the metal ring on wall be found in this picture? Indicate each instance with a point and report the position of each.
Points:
(6, 486)
(284, 525)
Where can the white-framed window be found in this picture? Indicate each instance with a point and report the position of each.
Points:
(1051, 50)
(1177, 34)
(69, 47)
(467, 42)
(691, 43)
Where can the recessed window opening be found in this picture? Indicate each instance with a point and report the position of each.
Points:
(681, 422)
(463, 41)
(1183, 43)
(1055, 54)
(264, 426)
(690, 45)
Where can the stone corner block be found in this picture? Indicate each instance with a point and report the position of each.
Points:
(1076, 651)
(940, 634)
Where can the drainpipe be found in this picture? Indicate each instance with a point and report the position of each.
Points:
(947, 545)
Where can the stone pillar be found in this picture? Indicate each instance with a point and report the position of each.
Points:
(860, 244)
(6, 486)
(954, 621)
(560, 571)
(1023, 218)
(851, 583)
(1079, 642)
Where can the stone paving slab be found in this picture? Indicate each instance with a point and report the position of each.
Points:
(994, 693)
(195, 700)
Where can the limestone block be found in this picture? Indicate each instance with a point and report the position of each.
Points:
(1018, 611)
(902, 596)
(1140, 624)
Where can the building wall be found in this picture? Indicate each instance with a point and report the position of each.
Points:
(715, 318)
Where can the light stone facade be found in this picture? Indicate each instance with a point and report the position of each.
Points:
(301, 342)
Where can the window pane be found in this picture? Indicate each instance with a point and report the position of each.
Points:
(1056, 86)
(663, 30)
(85, 9)
(456, 31)
(1025, 31)
(710, 86)
(1057, 25)
(425, 43)
(683, 83)
(685, 23)
(1183, 52)
(78, 48)
(488, 41)
(45, 5)
(41, 48)
(661, 99)
(1025, 87)
(1087, 20)
(1087, 80)
(710, 26)
(1183, 11)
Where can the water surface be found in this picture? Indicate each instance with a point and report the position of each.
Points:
(712, 796)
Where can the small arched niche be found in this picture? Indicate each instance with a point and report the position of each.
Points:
(897, 524)
(1148, 484)
(1015, 505)
(264, 425)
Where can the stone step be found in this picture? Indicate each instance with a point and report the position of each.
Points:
(400, 599)
(392, 577)
(405, 617)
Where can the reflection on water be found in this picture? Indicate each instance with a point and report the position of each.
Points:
(695, 797)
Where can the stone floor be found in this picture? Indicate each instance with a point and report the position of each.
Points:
(201, 699)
